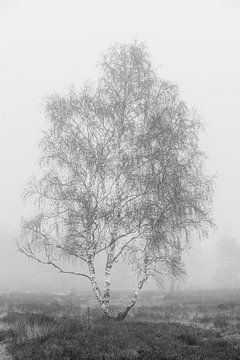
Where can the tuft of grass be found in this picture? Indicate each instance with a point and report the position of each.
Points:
(28, 325)
(5, 334)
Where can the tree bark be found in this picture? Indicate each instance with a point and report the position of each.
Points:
(96, 289)
(122, 315)
(111, 250)
(107, 276)
(104, 301)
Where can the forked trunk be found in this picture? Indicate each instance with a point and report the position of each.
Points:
(104, 301)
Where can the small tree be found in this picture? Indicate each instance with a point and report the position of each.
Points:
(123, 176)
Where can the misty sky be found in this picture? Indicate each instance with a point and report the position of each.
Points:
(48, 45)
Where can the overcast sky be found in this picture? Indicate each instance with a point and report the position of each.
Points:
(48, 45)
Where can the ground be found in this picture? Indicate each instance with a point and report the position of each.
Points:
(190, 325)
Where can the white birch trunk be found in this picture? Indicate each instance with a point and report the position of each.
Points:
(124, 313)
(111, 251)
(95, 287)
(107, 275)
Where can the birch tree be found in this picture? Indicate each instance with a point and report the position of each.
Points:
(122, 176)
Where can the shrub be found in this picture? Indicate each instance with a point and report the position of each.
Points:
(220, 321)
(189, 339)
(204, 319)
(222, 307)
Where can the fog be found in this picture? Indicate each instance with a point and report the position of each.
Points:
(48, 45)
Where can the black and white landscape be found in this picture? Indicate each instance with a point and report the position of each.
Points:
(119, 160)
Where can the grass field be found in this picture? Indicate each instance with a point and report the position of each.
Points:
(193, 325)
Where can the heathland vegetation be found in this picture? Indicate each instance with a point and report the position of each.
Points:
(194, 325)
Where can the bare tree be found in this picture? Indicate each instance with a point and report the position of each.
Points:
(123, 176)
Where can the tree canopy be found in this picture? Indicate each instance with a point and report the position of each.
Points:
(123, 175)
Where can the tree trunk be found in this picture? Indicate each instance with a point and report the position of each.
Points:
(111, 250)
(122, 315)
(172, 285)
(96, 289)
(104, 300)
(107, 276)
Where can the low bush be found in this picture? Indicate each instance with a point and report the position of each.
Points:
(223, 307)
(204, 319)
(220, 322)
(189, 339)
